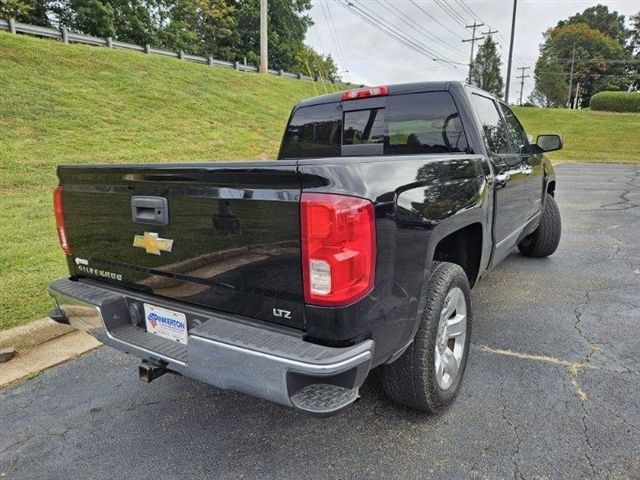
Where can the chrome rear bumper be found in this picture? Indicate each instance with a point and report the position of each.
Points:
(222, 350)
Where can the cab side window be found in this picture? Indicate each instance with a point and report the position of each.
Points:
(516, 132)
(494, 129)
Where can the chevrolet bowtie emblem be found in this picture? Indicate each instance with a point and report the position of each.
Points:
(152, 243)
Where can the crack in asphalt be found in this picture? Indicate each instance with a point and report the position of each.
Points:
(576, 324)
(517, 475)
(19, 442)
(573, 368)
(615, 414)
(586, 435)
(624, 202)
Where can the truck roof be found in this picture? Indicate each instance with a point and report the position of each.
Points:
(397, 88)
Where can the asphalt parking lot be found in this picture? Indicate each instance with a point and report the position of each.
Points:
(552, 388)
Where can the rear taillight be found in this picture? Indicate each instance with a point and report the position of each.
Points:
(338, 248)
(365, 93)
(58, 208)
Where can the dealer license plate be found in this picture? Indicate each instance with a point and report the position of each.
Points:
(166, 323)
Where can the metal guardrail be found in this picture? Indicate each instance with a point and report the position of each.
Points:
(67, 36)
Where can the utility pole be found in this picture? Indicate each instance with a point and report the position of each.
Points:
(573, 59)
(575, 99)
(473, 40)
(490, 32)
(522, 77)
(264, 48)
(513, 31)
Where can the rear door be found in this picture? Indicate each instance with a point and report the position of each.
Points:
(224, 236)
(510, 207)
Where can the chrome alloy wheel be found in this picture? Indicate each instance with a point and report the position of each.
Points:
(450, 339)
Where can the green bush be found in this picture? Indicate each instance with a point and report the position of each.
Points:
(616, 101)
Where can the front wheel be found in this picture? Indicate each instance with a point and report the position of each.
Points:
(546, 238)
(427, 375)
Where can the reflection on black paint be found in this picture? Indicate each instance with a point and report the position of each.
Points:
(217, 230)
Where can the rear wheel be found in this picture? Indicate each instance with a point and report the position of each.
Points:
(546, 238)
(428, 374)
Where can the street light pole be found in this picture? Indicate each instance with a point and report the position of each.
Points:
(264, 48)
(513, 29)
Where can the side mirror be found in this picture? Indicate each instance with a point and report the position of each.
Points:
(549, 142)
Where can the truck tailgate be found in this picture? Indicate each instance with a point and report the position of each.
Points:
(225, 236)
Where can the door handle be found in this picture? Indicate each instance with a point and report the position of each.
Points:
(150, 210)
(526, 170)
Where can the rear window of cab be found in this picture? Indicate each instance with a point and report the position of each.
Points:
(408, 124)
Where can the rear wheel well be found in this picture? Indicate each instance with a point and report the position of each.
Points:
(462, 247)
(551, 188)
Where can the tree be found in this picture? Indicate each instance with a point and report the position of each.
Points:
(601, 19)
(485, 69)
(311, 63)
(600, 60)
(288, 24)
(198, 26)
(634, 42)
(126, 20)
(26, 11)
(224, 29)
(634, 45)
(552, 86)
(13, 8)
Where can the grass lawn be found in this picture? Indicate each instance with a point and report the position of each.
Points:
(588, 136)
(79, 104)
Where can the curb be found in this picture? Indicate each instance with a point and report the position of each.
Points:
(30, 363)
(33, 334)
(38, 346)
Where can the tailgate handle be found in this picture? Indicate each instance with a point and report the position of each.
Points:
(150, 210)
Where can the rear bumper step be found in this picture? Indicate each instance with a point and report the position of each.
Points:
(222, 350)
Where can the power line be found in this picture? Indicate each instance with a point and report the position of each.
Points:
(468, 9)
(473, 40)
(350, 7)
(344, 58)
(502, 41)
(435, 19)
(597, 60)
(464, 9)
(419, 29)
(391, 31)
(334, 34)
(446, 8)
(380, 19)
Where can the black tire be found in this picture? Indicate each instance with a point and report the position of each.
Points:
(546, 238)
(411, 379)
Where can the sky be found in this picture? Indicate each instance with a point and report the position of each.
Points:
(365, 55)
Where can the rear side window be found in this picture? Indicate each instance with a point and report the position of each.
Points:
(313, 132)
(516, 132)
(494, 130)
(415, 123)
(424, 123)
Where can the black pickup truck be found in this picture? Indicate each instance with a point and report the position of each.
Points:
(291, 280)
